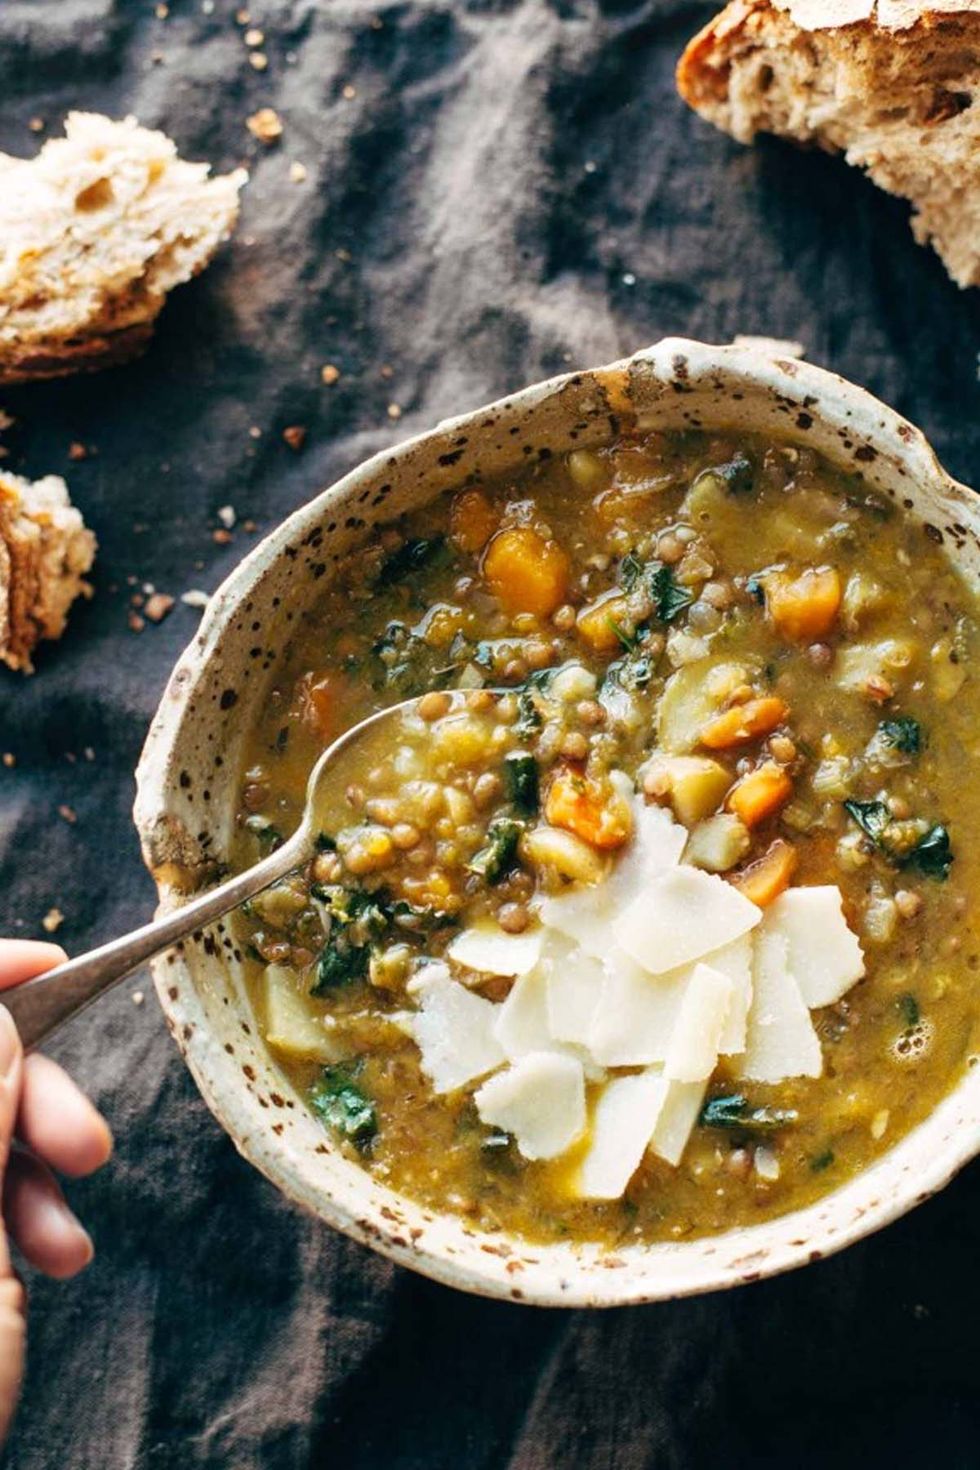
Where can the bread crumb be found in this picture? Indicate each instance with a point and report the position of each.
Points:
(36, 124)
(349, 93)
(158, 606)
(135, 622)
(266, 125)
(295, 436)
(387, 371)
(138, 997)
(297, 173)
(68, 814)
(161, 11)
(254, 37)
(259, 60)
(77, 450)
(394, 411)
(242, 17)
(52, 920)
(195, 598)
(255, 432)
(221, 537)
(330, 374)
(249, 526)
(88, 753)
(9, 759)
(227, 516)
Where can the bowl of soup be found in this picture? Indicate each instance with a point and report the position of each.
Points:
(637, 957)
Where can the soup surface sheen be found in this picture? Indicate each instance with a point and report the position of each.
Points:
(758, 646)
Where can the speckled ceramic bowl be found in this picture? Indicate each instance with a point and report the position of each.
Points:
(187, 798)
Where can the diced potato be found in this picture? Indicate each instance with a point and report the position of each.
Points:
(690, 698)
(598, 814)
(868, 668)
(587, 470)
(743, 723)
(760, 794)
(694, 785)
(291, 1024)
(564, 853)
(472, 520)
(862, 596)
(460, 739)
(597, 623)
(948, 673)
(718, 843)
(526, 572)
(804, 608)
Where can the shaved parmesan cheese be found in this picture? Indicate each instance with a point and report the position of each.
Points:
(454, 1032)
(290, 1026)
(428, 973)
(683, 915)
(622, 1124)
(823, 955)
(696, 1037)
(636, 1014)
(735, 961)
(487, 948)
(573, 985)
(780, 1040)
(540, 1100)
(675, 1122)
(521, 1023)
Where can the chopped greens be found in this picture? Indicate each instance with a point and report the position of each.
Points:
(499, 852)
(626, 637)
(528, 715)
(521, 777)
(931, 853)
(409, 558)
(734, 1111)
(736, 475)
(630, 570)
(903, 733)
(340, 1104)
(909, 1010)
(408, 665)
(822, 1161)
(265, 833)
(632, 673)
(670, 598)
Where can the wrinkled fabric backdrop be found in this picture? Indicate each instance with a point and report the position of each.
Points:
(512, 188)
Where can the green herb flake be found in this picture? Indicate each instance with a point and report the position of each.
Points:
(903, 733)
(908, 1008)
(522, 782)
(341, 1105)
(735, 1112)
(669, 597)
(871, 816)
(625, 635)
(409, 558)
(932, 854)
(630, 570)
(820, 1162)
(528, 715)
(265, 833)
(498, 854)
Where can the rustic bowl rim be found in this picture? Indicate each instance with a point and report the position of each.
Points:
(902, 1178)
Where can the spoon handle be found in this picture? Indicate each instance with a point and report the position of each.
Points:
(42, 1004)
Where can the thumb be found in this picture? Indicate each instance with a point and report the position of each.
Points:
(11, 1075)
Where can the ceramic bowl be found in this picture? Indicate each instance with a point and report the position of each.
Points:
(187, 800)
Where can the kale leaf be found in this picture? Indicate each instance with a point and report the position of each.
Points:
(932, 855)
(521, 778)
(499, 852)
(903, 733)
(410, 557)
(341, 1105)
(735, 1112)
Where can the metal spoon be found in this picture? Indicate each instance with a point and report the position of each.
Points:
(39, 1006)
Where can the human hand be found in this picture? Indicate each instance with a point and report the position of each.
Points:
(46, 1123)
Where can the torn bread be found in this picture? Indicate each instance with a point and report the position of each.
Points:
(94, 232)
(892, 84)
(45, 551)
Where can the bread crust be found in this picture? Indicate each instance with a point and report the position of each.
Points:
(894, 85)
(58, 359)
(45, 552)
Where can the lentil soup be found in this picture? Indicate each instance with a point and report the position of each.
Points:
(650, 919)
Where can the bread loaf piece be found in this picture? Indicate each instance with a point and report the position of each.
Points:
(94, 232)
(892, 84)
(45, 551)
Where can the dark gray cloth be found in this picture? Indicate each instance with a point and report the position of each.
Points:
(512, 189)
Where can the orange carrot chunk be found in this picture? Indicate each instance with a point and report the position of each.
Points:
(765, 879)
(759, 794)
(804, 608)
(744, 722)
(582, 806)
(526, 572)
(472, 521)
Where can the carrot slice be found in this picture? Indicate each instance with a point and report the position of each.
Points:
(582, 806)
(526, 572)
(765, 879)
(744, 722)
(804, 608)
(759, 794)
(472, 520)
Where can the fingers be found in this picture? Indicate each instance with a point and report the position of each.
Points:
(39, 1220)
(13, 1330)
(57, 1121)
(20, 959)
